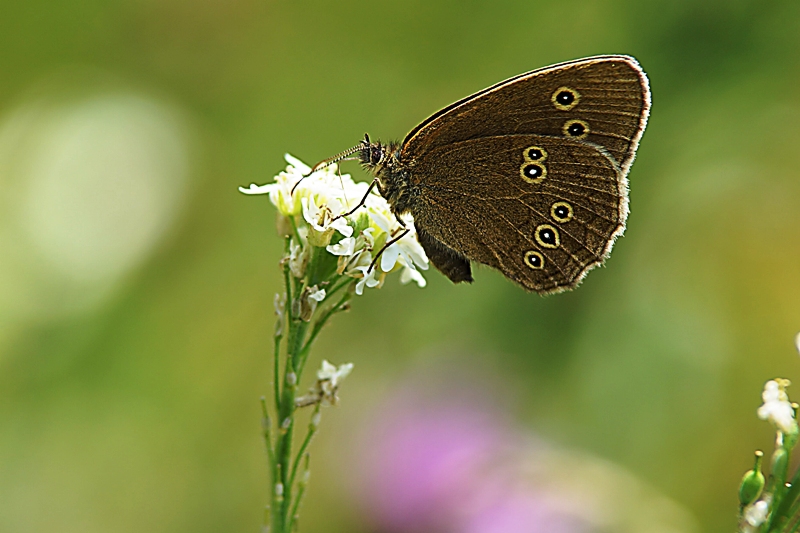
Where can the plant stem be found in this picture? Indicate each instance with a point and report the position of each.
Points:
(299, 336)
(284, 403)
(312, 429)
(301, 363)
(300, 493)
(286, 408)
(266, 427)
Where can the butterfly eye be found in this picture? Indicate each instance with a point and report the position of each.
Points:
(533, 172)
(535, 153)
(577, 129)
(534, 260)
(565, 98)
(547, 236)
(561, 212)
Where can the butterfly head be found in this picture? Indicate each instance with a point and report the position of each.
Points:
(383, 162)
(379, 159)
(374, 156)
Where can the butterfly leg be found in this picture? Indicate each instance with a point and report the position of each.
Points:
(385, 246)
(372, 185)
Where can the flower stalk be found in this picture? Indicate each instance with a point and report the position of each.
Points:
(773, 506)
(327, 261)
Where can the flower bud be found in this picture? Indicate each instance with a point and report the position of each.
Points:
(780, 465)
(309, 299)
(298, 259)
(320, 239)
(283, 225)
(752, 482)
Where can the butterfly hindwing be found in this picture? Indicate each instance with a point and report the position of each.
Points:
(541, 209)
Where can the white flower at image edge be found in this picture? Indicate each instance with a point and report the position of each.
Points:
(777, 408)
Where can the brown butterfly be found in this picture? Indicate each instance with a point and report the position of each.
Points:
(527, 176)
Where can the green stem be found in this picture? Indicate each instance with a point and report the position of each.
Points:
(791, 517)
(296, 233)
(298, 345)
(297, 330)
(790, 498)
(287, 282)
(300, 493)
(277, 369)
(301, 362)
(336, 288)
(285, 406)
(312, 430)
(266, 427)
(276, 509)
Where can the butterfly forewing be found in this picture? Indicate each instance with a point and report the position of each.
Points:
(604, 100)
(541, 209)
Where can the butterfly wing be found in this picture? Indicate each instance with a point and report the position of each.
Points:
(604, 100)
(543, 210)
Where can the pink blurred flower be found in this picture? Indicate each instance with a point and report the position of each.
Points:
(442, 465)
(522, 512)
(439, 457)
(422, 463)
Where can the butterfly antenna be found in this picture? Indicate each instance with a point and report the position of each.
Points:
(331, 160)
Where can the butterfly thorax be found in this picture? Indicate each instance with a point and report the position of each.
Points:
(383, 162)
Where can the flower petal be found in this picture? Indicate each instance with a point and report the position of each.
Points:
(257, 189)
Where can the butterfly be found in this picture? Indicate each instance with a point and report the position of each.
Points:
(528, 176)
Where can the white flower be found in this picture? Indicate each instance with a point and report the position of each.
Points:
(328, 379)
(322, 217)
(310, 298)
(316, 294)
(368, 279)
(331, 374)
(777, 408)
(756, 514)
(409, 253)
(411, 274)
(344, 247)
(282, 192)
(324, 391)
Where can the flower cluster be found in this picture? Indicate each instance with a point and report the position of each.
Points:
(777, 408)
(313, 210)
(770, 504)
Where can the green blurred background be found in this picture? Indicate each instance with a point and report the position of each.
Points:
(136, 283)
